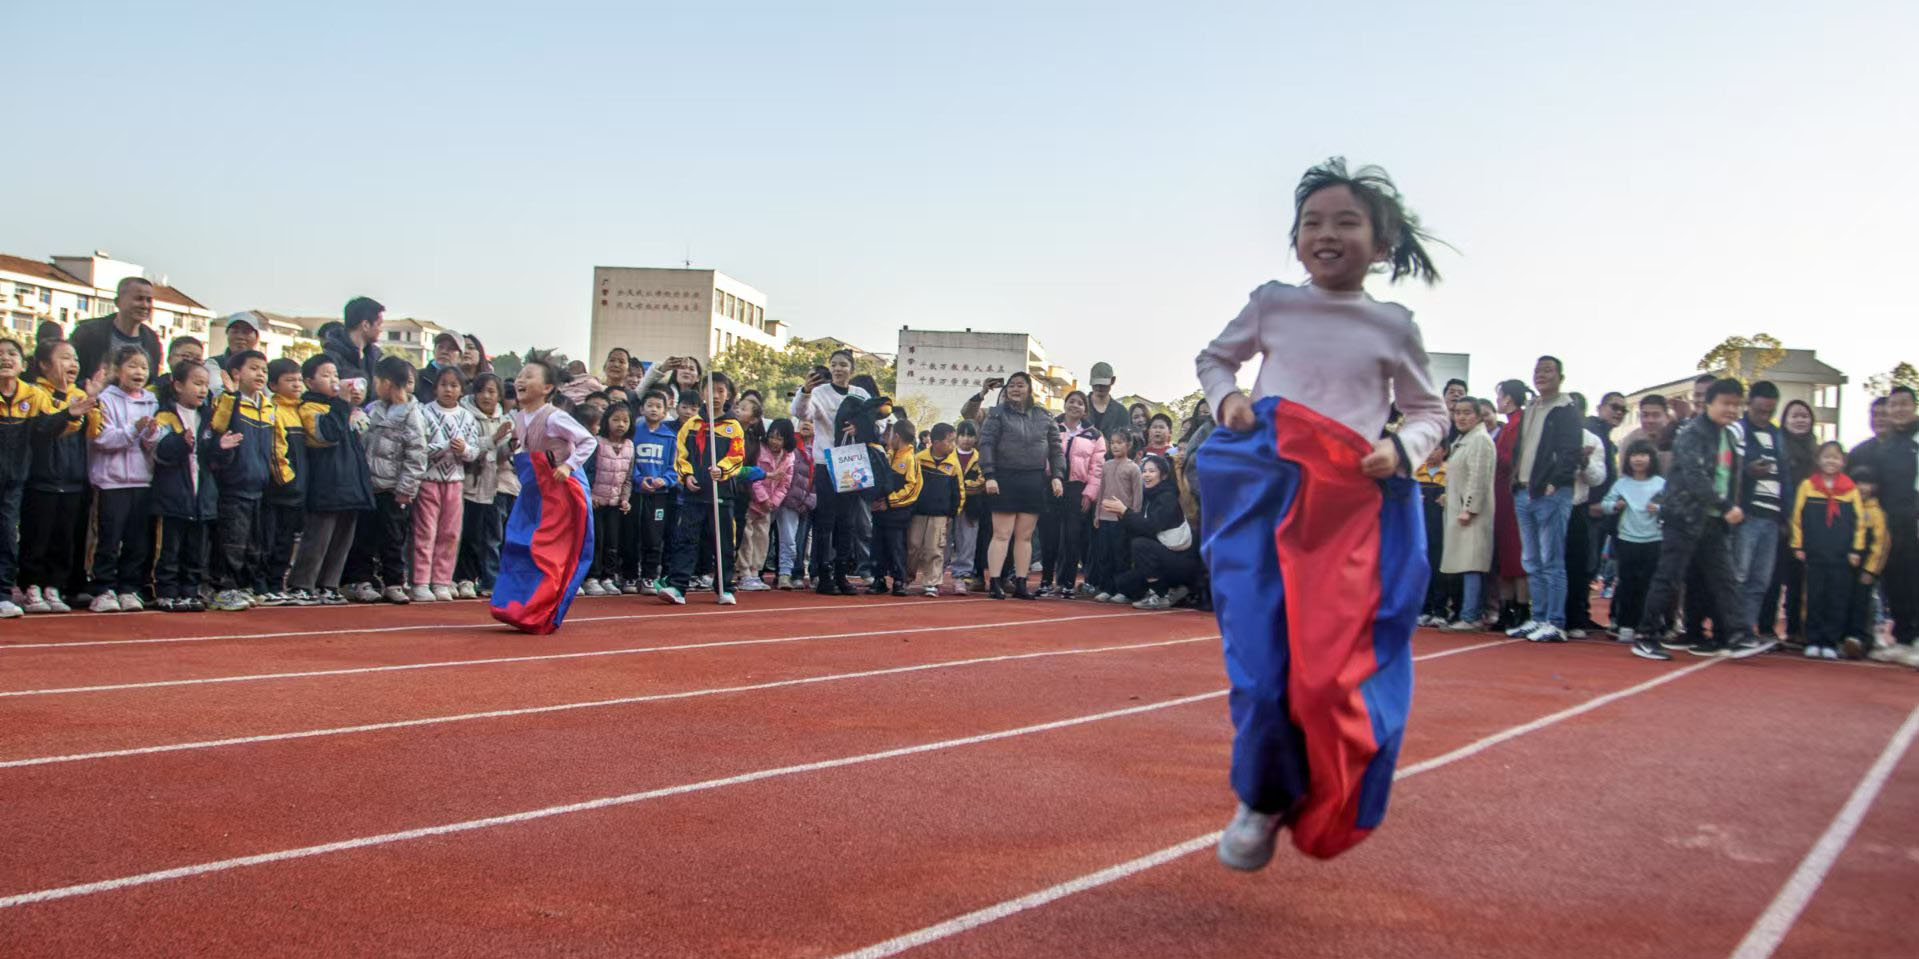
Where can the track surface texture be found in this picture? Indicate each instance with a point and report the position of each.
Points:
(804, 776)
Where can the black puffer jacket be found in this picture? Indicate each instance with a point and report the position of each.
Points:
(1895, 461)
(1691, 498)
(1557, 459)
(351, 360)
(1159, 510)
(1020, 439)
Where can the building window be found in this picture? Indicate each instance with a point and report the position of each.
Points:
(82, 301)
(46, 296)
(393, 336)
(23, 322)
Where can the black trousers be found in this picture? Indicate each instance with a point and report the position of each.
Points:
(47, 523)
(1109, 556)
(889, 545)
(1829, 586)
(1901, 577)
(239, 555)
(181, 568)
(1788, 585)
(1859, 610)
(482, 528)
(280, 528)
(1064, 533)
(1637, 564)
(1157, 568)
(10, 495)
(695, 536)
(380, 543)
(1579, 569)
(124, 537)
(657, 514)
(607, 524)
(1707, 554)
(833, 527)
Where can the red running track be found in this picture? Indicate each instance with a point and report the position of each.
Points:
(807, 777)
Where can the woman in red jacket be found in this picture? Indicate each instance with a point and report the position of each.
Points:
(1513, 599)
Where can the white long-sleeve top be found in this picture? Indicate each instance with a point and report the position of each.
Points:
(1347, 356)
(821, 405)
(559, 434)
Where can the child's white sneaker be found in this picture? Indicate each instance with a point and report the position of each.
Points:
(36, 603)
(396, 595)
(423, 594)
(786, 582)
(592, 588)
(443, 593)
(105, 603)
(649, 587)
(1812, 652)
(54, 603)
(728, 599)
(464, 590)
(130, 603)
(10, 610)
(1247, 844)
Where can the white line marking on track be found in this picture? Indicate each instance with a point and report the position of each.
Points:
(1012, 907)
(1770, 929)
(222, 865)
(478, 625)
(593, 704)
(585, 654)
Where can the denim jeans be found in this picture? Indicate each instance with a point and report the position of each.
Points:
(1755, 548)
(1469, 608)
(1542, 542)
(789, 527)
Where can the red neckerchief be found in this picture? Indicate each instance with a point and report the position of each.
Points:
(1834, 486)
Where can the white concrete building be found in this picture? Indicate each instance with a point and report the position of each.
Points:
(68, 289)
(659, 312)
(1800, 375)
(945, 368)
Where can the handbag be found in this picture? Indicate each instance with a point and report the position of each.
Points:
(1179, 538)
(850, 468)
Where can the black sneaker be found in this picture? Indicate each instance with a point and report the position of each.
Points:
(1648, 650)
(1747, 646)
(826, 587)
(1706, 648)
(899, 589)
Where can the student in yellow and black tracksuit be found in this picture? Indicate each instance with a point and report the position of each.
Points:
(941, 499)
(893, 513)
(284, 506)
(185, 496)
(1829, 537)
(723, 442)
(249, 455)
(53, 518)
(19, 400)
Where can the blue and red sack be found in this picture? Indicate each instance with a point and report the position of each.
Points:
(1318, 573)
(548, 548)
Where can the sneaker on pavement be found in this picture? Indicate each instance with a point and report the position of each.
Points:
(1153, 601)
(728, 599)
(1828, 652)
(668, 594)
(464, 589)
(1748, 646)
(1524, 629)
(1854, 648)
(422, 594)
(1812, 652)
(332, 597)
(629, 587)
(10, 609)
(649, 587)
(1650, 650)
(1575, 634)
(396, 595)
(1176, 596)
(54, 603)
(1546, 633)
(753, 584)
(1706, 647)
(592, 587)
(105, 603)
(443, 593)
(1097, 597)
(35, 603)
(1461, 626)
(130, 603)
(703, 582)
(1247, 842)
(785, 583)
(1627, 636)
(931, 591)
(231, 601)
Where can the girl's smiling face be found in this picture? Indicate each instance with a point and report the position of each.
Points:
(62, 366)
(531, 387)
(1075, 407)
(1149, 474)
(133, 374)
(1336, 241)
(1639, 464)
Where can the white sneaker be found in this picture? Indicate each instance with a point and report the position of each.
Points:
(1461, 626)
(592, 587)
(464, 590)
(786, 582)
(1812, 652)
(443, 594)
(728, 599)
(1177, 595)
(1524, 629)
(1628, 636)
(130, 603)
(649, 587)
(105, 603)
(36, 603)
(10, 610)
(396, 595)
(423, 594)
(1546, 633)
(54, 603)
(1575, 634)
(703, 582)
(1247, 843)
(1908, 655)
(1828, 652)
(1100, 598)
(753, 584)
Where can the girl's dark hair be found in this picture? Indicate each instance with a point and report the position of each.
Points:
(121, 354)
(840, 352)
(480, 382)
(783, 428)
(1130, 438)
(486, 363)
(1395, 228)
(966, 428)
(394, 370)
(865, 382)
(1159, 460)
(1635, 448)
(446, 371)
(1079, 393)
(553, 375)
(43, 353)
(1515, 390)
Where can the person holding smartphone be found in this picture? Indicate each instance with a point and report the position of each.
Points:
(818, 402)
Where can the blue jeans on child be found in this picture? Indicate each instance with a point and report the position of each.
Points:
(1542, 543)
(1469, 606)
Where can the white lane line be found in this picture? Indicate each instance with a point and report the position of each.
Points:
(476, 625)
(1012, 907)
(222, 865)
(586, 654)
(592, 704)
(1772, 925)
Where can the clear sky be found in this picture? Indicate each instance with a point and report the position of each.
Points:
(1625, 183)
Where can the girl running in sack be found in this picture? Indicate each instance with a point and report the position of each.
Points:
(549, 539)
(1320, 687)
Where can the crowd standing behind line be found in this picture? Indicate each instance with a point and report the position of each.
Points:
(237, 481)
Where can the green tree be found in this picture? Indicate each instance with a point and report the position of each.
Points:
(1742, 358)
(777, 373)
(1901, 374)
(396, 351)
(300, 350)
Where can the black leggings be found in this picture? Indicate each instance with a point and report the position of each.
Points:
(47, 523)
(832, 526)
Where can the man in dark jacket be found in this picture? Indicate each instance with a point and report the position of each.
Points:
(1103, 409)
(1766, 492)
(1545, 460)
(1894, 459)
(355, 348)
(93, 340)
(1699, 508)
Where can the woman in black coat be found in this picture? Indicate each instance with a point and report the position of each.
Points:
(1162, 574)
(1021, 458)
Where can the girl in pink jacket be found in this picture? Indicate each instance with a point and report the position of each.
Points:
(612, 497)
(769, 493)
